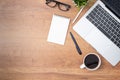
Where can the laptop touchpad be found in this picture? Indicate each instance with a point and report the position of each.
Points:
(97, 39)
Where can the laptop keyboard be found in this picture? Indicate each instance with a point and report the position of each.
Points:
(105, 23)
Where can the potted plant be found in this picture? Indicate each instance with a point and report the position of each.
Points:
(80, 3)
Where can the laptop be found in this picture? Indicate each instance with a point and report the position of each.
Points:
(100, 27)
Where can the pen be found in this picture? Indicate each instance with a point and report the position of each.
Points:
(76, 45)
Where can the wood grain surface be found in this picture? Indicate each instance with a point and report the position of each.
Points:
(25, 53)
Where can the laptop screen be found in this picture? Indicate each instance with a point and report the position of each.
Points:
(113, 5)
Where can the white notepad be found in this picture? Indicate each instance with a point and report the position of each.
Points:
(58, 29)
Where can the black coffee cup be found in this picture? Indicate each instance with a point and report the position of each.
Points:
(91, 62)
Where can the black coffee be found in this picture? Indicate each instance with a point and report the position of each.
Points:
(91, 61)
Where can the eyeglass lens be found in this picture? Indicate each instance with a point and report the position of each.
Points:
(51, 3)
(63, 7)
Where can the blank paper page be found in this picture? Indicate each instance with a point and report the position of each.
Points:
(58, 29)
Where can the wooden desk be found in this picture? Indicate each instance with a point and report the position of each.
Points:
(26, 55)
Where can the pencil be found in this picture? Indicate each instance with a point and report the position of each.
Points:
(78, 14)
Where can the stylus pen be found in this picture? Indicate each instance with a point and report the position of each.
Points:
(76, 45)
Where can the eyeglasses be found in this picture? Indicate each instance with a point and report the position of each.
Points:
(61, 6)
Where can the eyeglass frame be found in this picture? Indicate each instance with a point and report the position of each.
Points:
(58, 4)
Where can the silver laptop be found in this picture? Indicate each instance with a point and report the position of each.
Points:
(100, 27)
